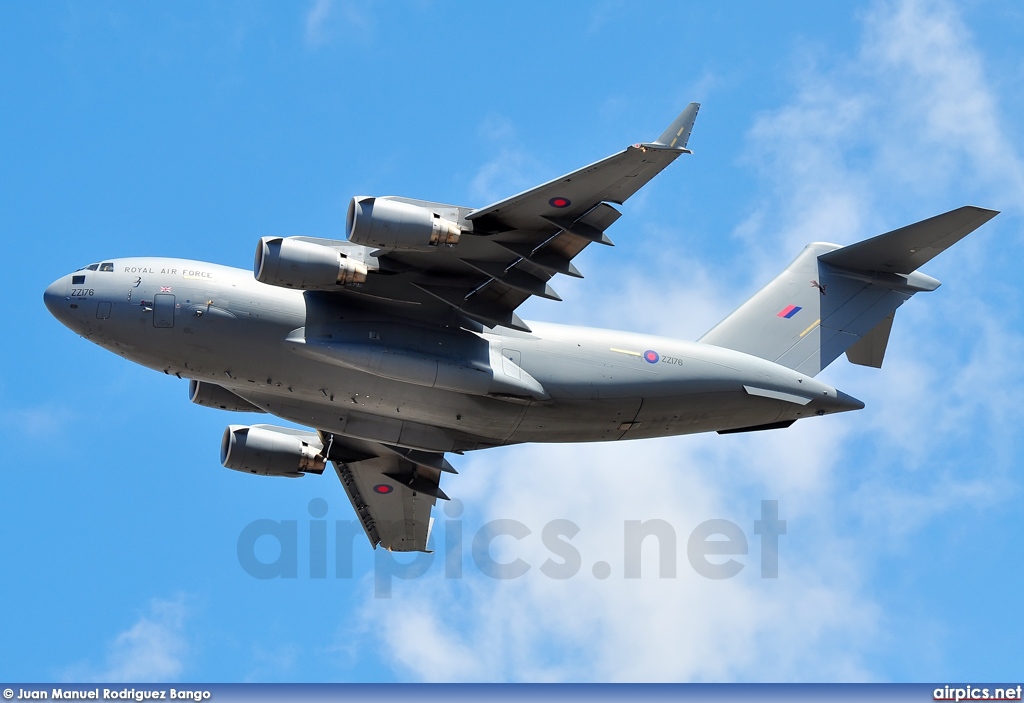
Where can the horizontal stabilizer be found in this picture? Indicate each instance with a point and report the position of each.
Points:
(909, 248)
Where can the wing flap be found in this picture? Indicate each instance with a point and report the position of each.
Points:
(492, 309)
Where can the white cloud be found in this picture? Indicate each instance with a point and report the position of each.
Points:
(316, 18)
(154, 648)
(510, 170)
(922, 54)
(682, 628)
(40, 421)
(889, 134)
(327, 19)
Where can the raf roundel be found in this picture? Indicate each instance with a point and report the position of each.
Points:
(383, 489)
(651, 356)
(559, 202)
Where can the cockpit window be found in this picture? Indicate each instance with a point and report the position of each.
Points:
(92, 267)
(77, 280)
(107, 266)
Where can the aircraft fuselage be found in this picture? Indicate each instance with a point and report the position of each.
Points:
(357, 373)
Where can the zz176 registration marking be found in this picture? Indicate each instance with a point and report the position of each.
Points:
(82, 292)
(650, 356)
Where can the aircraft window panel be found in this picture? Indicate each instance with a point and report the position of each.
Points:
(77, 280)
(107, 266)
(92, 267)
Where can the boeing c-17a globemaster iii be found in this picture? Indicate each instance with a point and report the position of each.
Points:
(402, 343)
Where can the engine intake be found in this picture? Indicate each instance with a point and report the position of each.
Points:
(271, 451)
(293, 263)
(391, 224)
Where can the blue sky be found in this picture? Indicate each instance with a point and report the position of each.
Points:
(194, 129)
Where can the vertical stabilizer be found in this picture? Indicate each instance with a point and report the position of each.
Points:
(834, 299)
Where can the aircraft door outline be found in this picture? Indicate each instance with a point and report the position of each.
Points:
(163, 310)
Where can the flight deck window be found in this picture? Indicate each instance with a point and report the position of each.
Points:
(92, 267)
(77, 280)
(107, 266)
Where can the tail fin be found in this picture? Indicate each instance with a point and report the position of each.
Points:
(835, 299)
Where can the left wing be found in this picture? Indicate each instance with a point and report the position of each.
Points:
(392, 489)
(508, 251)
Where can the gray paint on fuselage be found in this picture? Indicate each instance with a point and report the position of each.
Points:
(229, 330)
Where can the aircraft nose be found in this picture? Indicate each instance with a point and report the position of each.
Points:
(54, 298)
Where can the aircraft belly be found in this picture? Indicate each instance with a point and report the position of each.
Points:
(704, 412)
(354, 421)
(578, 420)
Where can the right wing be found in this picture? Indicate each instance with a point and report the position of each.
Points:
(392, 489)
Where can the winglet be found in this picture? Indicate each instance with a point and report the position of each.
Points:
(678, 133)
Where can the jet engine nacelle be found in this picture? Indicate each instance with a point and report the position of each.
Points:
(271, 451)
(391, 224)
(293, 263)
(210, 395)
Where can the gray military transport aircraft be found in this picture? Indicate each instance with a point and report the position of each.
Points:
(402, 343)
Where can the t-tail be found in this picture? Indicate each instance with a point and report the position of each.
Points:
(834, 299)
